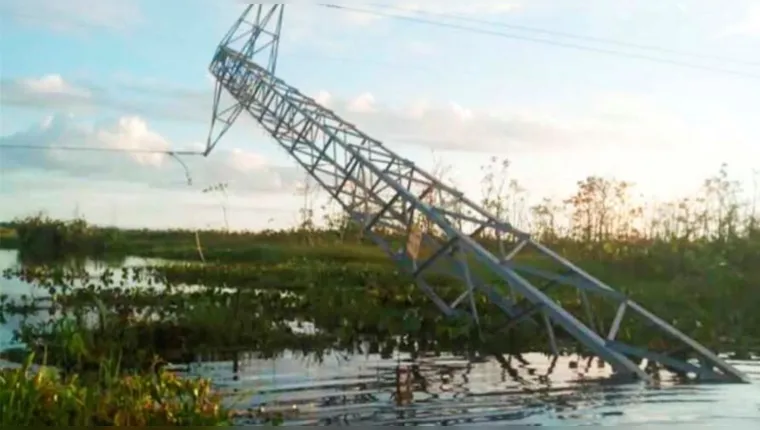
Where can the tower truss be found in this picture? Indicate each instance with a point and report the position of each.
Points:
(427, 227)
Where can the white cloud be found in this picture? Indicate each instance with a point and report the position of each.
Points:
(608, 122)
(52, 84)
(243, 170)
(362, 104)
(50, 91)
(452, 126)
(132, 134)
(623, 135)
(749, 25)
(323, 98)
(74, 15)
(57, 93)
(243, 161)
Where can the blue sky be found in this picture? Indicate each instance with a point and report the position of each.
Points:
(133, 74)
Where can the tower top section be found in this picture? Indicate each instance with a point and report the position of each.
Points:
(256, 34)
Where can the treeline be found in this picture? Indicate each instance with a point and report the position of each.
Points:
(602, 214)
(606, 209)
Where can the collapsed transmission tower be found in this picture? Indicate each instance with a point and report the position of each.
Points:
(389, 197)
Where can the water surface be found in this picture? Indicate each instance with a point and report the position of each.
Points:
(455, 391)
(363, 389)
(16, 288)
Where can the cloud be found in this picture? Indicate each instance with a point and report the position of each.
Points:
(147, 98)
(49, 91)
(608, 121)
(749, 25)
(449, 126)
(50, 85)
(607, 130)
(124, 150)
(74, 15)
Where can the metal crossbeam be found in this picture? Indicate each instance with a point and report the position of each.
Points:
(426, 226)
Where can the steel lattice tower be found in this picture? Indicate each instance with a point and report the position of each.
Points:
(388, 196)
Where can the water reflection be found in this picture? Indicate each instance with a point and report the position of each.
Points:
(15, 289)
(451, 390)
(70, 262)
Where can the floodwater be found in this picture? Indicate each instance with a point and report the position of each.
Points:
(16, 288)
(367, 389)
(454, 391)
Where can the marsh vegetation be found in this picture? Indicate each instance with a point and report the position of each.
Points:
(694, 262)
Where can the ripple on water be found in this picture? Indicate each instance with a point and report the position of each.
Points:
(452, 391)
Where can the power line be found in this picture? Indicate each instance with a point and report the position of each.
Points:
(544, 41)
(571, 35)
(173, 154)
(100, 149)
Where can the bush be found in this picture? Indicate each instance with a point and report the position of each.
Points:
(42, 238)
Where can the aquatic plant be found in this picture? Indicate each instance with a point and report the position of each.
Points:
(45, 397)
(140, 309)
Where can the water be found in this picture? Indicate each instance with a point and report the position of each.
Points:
(360, 390)
(16, 288)
(451, 390)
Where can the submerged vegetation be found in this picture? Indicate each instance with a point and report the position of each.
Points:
(694, 262)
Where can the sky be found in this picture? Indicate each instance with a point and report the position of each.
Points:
(133, 74)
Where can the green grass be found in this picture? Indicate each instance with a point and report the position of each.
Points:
(45, 397)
